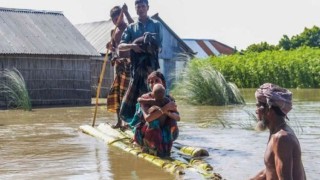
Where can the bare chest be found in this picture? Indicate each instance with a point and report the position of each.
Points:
(269, 157)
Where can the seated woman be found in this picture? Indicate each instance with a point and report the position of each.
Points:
(154, 137)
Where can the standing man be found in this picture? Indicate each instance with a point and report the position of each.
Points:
(283, 154)
(120, 61)
(143, 39)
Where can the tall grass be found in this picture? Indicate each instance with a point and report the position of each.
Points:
(13, 87)
(202, 84)
(249, 123)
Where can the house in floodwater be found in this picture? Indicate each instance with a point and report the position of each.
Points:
(51, 54)
(172, 58)
(208, 47)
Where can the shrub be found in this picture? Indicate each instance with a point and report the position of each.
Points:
(13, 87)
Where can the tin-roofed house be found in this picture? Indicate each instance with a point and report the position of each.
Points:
(172, 57)
(208, 47)
(51, 54)
(98, 34)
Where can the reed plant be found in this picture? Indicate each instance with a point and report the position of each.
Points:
(203, 84)
(218, 122)
(13, 88)
(249, 123)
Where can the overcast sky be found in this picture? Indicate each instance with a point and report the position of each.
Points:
(233, 22)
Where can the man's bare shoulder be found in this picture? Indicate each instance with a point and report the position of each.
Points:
(284, 141)
(282, 136)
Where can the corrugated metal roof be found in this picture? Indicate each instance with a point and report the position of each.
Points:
(208, 47)
(200, 53)
(25, 31)
(97, 33)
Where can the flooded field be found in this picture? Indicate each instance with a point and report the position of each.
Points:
(46, 143)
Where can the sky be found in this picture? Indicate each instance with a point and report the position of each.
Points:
(236, 23)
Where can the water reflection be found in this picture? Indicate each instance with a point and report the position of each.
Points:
(127, 166)
(46, 143)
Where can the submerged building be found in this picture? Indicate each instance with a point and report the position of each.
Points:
(51, 54)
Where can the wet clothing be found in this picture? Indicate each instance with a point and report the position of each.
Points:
(121, 75)
(137, 29)
(136, 88)
(154, 138)
(142, 64)
(119, 87)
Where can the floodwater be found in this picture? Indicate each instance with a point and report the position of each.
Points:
(46, 143)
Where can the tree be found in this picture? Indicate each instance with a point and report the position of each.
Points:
(285, 43)
(309, 37)
(263, 46)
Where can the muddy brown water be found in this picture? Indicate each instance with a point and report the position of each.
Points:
(46, 143)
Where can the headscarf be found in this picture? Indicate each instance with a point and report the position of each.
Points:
(274, 95)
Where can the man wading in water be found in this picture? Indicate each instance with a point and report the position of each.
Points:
(283, 154)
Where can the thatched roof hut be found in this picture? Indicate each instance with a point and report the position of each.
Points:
(51, 54)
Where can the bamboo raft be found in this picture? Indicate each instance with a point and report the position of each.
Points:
(184, 159)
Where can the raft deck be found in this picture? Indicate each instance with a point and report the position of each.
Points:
(184, 159)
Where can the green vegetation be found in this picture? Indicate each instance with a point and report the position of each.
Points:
(202, 84)
(308, 38)
(13, 86)
(298, 68)
(293, 63)
(263, 46)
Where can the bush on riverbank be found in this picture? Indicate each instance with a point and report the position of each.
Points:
(290, 69)
(13, 87)
(201, 84)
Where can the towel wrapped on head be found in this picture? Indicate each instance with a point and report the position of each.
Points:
(274, 95)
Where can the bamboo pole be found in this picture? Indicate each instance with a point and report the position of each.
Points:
(191, 151)
(103, 71)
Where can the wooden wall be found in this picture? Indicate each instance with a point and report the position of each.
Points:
(96, 67)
